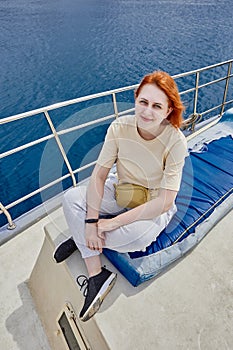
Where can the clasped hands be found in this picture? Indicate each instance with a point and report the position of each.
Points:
(95, 233)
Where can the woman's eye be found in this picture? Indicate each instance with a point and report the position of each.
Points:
(157, 107)
(143, 103)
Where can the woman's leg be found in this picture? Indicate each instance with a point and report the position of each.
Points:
(100, 279)
(135, 236)
(128, 238)
(93, 264)
(139, 234)
(74, 207)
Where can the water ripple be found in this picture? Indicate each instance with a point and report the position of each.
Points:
(53, 51)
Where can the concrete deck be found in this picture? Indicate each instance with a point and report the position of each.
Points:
(191, 304)
(20, 327)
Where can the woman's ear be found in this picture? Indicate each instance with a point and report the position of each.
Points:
(170, 109)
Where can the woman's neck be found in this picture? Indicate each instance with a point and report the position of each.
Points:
(148, 136)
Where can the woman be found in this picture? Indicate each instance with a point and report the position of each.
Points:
(149, 151)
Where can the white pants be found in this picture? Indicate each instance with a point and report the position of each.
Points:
(128, 238)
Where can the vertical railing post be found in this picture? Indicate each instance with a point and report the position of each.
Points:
(226, 88)
(196, 93)
(115, 105)
(60, 147)
(11, 224)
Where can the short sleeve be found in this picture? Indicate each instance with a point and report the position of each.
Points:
(109, 151)
(173, 165)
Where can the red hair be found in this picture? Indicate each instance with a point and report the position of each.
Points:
(167, 84)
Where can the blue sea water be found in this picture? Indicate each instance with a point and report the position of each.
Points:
(51, 51)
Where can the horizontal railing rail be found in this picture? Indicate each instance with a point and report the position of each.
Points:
(55, 134)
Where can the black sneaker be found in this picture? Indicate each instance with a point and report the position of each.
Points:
(96, 289)
(64, 250)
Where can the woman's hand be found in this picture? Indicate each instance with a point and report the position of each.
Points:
(105, 225)
(92, 240)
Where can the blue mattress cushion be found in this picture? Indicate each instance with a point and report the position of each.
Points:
(208, 175)
(207, 181)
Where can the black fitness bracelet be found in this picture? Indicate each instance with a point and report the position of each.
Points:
(91, 221)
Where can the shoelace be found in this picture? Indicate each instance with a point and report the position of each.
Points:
(83, 284)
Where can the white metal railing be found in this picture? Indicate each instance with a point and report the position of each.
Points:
(190, 123)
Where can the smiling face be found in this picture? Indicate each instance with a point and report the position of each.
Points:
(151, 109)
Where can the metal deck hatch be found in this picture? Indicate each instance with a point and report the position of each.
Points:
(70, 330)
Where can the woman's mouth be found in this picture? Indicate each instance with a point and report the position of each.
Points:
(146, 120)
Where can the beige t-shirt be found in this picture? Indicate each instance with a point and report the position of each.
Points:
(153, 164)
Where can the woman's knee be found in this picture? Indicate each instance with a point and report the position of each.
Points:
(142, 241)
(74, 196)
(130, 238)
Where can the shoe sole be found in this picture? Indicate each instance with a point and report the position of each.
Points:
(95, 305)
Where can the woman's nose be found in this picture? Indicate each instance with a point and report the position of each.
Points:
(148, 110)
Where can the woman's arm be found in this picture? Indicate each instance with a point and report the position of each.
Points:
(146, 211)
(95, 192)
